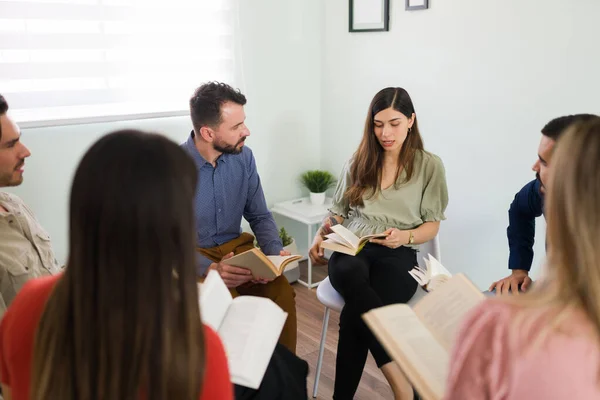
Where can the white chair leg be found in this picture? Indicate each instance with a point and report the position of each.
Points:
(437, 252)
(321, 351)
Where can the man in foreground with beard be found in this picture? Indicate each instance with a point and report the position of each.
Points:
(228, 189)
(25, 248)
(527, 205)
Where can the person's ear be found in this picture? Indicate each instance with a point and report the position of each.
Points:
(207, 134)
(411, 120)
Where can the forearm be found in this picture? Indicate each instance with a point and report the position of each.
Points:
(258, 215)
(425, 232)
(266, 233)
(524, 209)
(328, 222)
(521, 238)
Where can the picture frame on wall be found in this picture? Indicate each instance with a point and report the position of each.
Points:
(369, 15)
(417, 4)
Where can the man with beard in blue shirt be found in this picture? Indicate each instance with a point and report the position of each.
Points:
(228, 189)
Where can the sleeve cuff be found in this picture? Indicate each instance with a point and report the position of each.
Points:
(520, 267)
(432, 216)
(202, 264)
(272, 249)
(520, 261)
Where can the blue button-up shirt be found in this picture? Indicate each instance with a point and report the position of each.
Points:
(527, 205)
(226, 193)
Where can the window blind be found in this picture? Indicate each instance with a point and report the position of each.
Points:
(94, 59)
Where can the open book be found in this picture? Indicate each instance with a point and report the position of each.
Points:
(262, 266)
(432, 275)
(249, 327)
(344, 241)
(420, 339)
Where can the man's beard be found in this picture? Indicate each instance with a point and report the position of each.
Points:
(537, 176)
(7, 180)
(228, 148)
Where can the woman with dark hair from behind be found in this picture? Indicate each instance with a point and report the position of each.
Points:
(123, 321)
(391, 184)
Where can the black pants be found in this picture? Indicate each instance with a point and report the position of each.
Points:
(285, 379)
(375, 277)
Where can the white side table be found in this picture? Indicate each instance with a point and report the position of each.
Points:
(303, 211)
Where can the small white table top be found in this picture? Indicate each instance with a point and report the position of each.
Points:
(302, 210)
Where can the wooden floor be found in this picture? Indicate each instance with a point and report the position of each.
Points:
(310, 311)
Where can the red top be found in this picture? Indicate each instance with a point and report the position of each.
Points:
(17, 332)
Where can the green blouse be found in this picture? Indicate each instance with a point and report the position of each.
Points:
(403, 205)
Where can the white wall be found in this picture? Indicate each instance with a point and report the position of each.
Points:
(281, 78)
(484, 76)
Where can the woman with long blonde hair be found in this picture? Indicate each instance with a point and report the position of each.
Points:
(546, 344)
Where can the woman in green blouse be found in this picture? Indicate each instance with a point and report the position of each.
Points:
(390, 184)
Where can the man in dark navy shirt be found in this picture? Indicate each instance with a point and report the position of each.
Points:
(527, 205)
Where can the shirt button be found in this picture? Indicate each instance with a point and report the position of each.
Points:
(219, 210)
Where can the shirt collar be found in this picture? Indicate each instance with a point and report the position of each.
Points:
(8, 203)
(193, 151)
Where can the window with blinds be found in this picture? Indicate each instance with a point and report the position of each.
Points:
(85, 60)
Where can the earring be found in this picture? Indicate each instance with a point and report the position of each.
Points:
(409, 129)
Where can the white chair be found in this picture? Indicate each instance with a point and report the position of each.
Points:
(331, 299)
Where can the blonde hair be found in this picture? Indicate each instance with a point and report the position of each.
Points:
(572, 281)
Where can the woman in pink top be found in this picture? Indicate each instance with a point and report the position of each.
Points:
(545, 344)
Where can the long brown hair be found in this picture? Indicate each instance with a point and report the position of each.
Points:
(124, 319)
(367, 165)
(573, 229)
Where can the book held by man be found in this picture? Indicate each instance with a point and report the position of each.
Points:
(249, 327)
(432, 276)
(420, 339)
(344, 241)
(261, 265)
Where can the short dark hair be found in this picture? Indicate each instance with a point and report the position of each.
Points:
(205, 104)
(3, 110)
(557, 126)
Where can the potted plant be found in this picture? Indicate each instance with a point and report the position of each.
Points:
(286, 239)
(292, 271)
(317, 182)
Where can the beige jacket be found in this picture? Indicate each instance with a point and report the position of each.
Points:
(25, 249)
